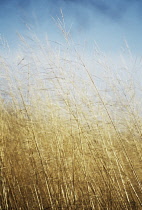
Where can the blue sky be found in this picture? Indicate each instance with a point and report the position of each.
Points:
(108, 22)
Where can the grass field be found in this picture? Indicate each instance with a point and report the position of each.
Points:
(69, 139)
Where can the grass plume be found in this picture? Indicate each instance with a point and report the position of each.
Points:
(70, 139)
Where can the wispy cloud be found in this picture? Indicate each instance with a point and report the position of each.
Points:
(113, 10)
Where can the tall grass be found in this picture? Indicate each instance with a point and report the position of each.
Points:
(70, 136)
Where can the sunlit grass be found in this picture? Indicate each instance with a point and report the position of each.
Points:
(69, 139)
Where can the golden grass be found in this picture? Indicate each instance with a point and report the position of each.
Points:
(65, 142)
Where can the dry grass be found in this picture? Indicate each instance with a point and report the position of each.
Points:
(66, 141)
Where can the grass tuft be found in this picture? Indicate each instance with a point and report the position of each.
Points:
(70, 133)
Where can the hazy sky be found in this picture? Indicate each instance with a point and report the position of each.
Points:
(108, 22)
